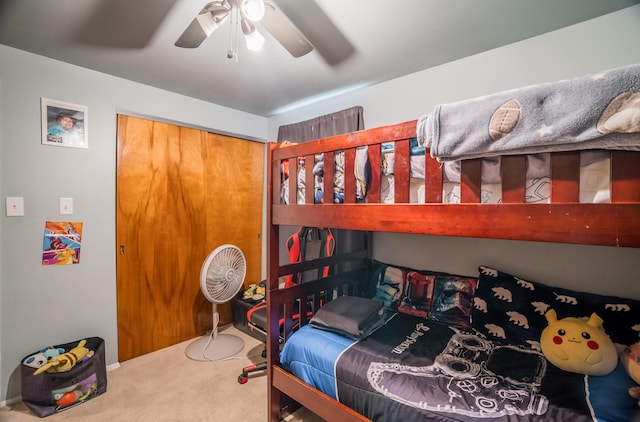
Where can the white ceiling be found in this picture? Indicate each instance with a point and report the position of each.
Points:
(391, 39)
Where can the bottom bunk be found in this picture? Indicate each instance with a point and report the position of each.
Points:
(451, 348)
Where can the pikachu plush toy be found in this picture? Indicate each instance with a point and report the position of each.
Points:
(576, 345)
(65, 361)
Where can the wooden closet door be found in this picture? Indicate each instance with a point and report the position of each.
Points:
(181, 192)
(233, 207)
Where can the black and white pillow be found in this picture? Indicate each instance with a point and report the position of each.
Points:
(389, 285)
(452, 300)
(511, 309)
(439, 296)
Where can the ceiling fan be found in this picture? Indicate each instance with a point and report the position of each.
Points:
(298, 25)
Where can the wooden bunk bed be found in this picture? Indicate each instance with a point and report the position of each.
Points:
(562, 220)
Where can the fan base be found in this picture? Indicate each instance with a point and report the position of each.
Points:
(224, 346)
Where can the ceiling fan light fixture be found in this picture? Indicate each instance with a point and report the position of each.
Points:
(252, 9)
(212, 20)
(220, 14)
(252, 36)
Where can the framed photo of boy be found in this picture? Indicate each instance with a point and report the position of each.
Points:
(64, 124)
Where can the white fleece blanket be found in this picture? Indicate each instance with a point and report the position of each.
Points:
(599, 111)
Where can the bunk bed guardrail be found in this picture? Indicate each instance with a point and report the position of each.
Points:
(563, 219)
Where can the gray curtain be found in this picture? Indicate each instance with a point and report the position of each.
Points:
(344, 121)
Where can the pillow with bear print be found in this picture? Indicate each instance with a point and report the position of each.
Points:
(511, 309)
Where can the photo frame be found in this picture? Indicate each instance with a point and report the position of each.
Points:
(64, 124)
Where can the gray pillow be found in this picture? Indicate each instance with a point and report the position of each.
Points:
(350, 316)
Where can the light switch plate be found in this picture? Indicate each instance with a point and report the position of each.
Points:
(15, 206)
(66, 206)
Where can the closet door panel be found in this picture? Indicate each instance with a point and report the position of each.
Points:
(233, 209)
(176, 202)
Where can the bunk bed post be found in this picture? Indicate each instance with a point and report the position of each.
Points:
(274, 169)
(273, 242)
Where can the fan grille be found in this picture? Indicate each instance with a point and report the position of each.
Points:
(223, 273)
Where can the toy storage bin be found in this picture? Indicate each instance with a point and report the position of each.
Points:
(49, 393)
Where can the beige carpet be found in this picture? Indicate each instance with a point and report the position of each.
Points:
(168, 386)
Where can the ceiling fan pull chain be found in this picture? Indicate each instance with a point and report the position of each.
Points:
(231, 52)
(235, 39)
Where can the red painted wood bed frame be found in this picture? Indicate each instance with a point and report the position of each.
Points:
(563, 220)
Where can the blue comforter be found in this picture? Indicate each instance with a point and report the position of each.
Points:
(416, 369)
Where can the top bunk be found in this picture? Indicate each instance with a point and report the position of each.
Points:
(391, 178)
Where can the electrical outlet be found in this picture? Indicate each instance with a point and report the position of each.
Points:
(15, 206)
(66, 206)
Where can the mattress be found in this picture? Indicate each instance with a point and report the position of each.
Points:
(417, 369)
(311, 355)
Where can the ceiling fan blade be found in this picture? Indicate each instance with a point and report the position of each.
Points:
(281, 28)
(202, 26)
(123, 23)
(318, 28)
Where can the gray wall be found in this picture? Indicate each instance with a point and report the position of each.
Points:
(589, 47)
(592, 46)
(45, 305)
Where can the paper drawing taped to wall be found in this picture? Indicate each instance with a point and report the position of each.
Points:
(62, 241)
